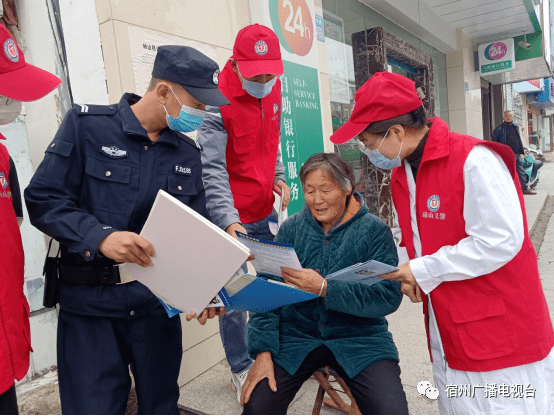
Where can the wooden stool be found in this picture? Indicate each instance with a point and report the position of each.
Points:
(334, 401)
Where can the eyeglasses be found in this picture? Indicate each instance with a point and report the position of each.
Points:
(361, 146)
(365, 148)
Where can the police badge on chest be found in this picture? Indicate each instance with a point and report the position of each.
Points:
(113, 151)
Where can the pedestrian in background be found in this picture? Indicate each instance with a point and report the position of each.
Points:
(462, 238)
(508, 133)
(93, 193)
(242, 163)
(19, 81)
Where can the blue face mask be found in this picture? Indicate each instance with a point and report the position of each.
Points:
(189, 119)
(379, 160)
(256, 89)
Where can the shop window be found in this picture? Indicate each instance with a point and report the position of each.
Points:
(359, 42)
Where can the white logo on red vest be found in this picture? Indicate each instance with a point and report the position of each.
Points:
(433, 203)
(261, 47)
(275, 108)
(3, 180)
(10, 50)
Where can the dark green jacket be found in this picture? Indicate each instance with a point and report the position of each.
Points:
(350, 320)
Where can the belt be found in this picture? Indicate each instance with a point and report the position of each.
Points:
(89, 275)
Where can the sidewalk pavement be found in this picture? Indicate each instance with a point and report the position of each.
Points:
(210, 393)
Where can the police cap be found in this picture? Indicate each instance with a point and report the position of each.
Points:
(191, 69)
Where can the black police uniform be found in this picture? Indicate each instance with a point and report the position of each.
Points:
(101, 174)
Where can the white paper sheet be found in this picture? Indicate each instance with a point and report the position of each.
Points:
(194, 259)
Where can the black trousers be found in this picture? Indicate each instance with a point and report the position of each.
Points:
(8, 402)
(94, 354)
(377, 388)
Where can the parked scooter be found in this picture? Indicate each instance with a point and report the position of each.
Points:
(531, 164)
(536, 153)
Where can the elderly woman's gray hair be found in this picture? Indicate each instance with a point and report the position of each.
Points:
(333, 163)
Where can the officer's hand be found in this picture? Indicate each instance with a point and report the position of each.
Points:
(262, 368)
(127, 247)
(233, 228)
(283, 190)
(208, 313)
(232, 231)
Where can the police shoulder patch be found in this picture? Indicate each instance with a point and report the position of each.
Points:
(95, 110)
(189, 141)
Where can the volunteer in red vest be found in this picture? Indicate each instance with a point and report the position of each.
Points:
(464, 250)
(241, 161)
(19, 81)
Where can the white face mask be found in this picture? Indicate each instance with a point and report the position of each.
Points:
(9, 110)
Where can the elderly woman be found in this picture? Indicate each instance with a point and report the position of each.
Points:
(345, 327)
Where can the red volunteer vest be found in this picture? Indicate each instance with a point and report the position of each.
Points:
(15, 337)
(493, 321)
(252, 145)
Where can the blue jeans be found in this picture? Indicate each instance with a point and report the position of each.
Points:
(523, 179)
(233, 326)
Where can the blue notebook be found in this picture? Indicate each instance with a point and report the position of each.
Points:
(263, 295)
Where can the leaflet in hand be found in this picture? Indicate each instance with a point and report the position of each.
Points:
(367, 273)
(270, 256)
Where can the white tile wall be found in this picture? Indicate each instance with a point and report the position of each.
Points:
(465, 112)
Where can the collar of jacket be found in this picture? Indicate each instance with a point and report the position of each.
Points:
(131, 125)
(311, 220)
(437, 146)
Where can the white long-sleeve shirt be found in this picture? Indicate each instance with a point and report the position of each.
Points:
(494, 225)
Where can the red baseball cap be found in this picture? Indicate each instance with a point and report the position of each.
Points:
(384, 96)
(19, 80)
(257, 51)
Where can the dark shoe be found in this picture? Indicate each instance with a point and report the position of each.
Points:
(529, 192)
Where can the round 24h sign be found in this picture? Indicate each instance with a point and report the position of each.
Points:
(292, 22)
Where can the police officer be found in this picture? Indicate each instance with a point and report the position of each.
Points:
(92, 193)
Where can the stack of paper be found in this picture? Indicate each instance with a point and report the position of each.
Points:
(194, 258)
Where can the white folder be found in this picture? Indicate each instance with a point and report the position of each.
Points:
(194, 258)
